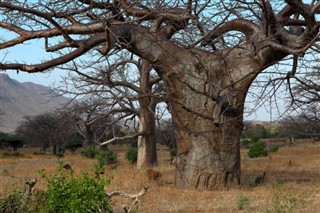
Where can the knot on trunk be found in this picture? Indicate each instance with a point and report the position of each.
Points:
(226, 100)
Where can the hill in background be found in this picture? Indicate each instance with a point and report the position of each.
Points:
(24, 99)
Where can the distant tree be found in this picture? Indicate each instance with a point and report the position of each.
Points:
(49, 129)
(73, 145)
(302, 123)
(12, 140)
(255, 131)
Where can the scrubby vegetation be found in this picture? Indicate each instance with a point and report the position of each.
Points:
(73, 145)
(132, 155)
(106, 157)
(258, 149)
(89, 152)
(63, 193)
(12, 154)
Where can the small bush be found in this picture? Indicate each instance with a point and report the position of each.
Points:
(89, 152)
(39, 153)
(59, 154)
(258, 149)
(73, 145)
(12, 154)
(273, 148)
(106, 158)
(245, 143)
(243, 202)
(173, 152)
(132, 155)
(82, 194)
(11, 203)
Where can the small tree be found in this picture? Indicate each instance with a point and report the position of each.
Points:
(73, 145)
(14, 141)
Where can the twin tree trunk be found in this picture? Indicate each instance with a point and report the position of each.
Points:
(147, 150)
(207, 125)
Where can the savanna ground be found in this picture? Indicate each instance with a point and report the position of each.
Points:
(292, 181)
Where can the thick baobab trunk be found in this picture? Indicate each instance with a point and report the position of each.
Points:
(206, 100)
(209, 155)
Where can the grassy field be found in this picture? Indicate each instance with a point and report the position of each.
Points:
(292, 181)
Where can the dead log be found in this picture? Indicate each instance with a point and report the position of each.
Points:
(134, 197)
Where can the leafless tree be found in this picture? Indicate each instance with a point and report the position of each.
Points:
(48, 129)
(302, 123)
(207, 52)
(95, 123)
(125, 90)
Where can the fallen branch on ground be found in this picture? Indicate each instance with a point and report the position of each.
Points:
(131, 196)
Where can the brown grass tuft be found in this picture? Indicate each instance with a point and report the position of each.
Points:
(153, 174)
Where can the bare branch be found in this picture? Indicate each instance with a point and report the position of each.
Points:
(135, 197)
(130, 136)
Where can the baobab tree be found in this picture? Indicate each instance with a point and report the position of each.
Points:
(126, 90)
(207, 52)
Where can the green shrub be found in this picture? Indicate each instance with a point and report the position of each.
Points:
(39, 153)
(12, 154)
(243, 202)
(59, 154)
(273, 148)
(15, 141)
(132, 155)
(258, 149)
(106, 157)
(80, 194)
(89, 152)
(245, 143)
(12, 202)
(173, 152)
(73, 145)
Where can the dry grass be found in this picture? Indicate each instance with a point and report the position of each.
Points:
(297, 182)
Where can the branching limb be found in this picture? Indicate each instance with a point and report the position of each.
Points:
(269, 20)
(134, 197)
(246, 27)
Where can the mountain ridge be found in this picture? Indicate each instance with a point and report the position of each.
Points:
(18, 100)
